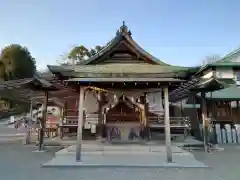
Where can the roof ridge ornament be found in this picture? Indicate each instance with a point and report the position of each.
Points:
(124, 30)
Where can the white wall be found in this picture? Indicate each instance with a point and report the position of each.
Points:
(225, 73)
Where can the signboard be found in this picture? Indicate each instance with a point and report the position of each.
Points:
(53, 116)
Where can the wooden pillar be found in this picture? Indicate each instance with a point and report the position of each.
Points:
(43, 122)
(237, 105)
(145, 118)
(237, 111)
(145, 109)
(167, 126)
(204, 120)
(65, 109)
(100, 113)
(80, 124)
(27, 125)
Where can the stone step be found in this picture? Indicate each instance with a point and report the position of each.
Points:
(127, 149)
(120, 153)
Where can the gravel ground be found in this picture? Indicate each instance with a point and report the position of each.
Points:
(225, 164)
(22, 163)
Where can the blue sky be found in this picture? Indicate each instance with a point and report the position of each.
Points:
(179, 32)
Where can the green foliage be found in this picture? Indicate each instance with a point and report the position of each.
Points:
(99, 48)
(92, 52)
(16, 62)
(211, 59)
(79, 53)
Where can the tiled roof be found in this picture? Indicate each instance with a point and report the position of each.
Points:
(230, 60)
(128, 68)
(230, 56)
(35, 81)
(229, 93)
(120, 70)
(195, 85)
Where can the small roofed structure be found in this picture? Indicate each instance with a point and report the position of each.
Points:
(224, 105)
(201, 86)
(30, 87)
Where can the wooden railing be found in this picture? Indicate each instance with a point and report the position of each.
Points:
(70, 120)
(73, 120)
(123, 117)
(174, 121)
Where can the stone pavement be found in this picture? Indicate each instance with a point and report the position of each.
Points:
(21, 163)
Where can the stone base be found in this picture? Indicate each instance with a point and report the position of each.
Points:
(37, 151)
(123, 156)
(113, 161)
(122, 149)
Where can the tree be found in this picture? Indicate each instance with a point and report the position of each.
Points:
(211, 59)
(95, 50)
(2, 71)
(78, 53)
(99, 48)
(92, 52)
(16, 62)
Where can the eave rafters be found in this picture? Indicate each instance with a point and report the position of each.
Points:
(194, 86)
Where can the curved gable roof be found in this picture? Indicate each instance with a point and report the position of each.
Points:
(123, 34)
